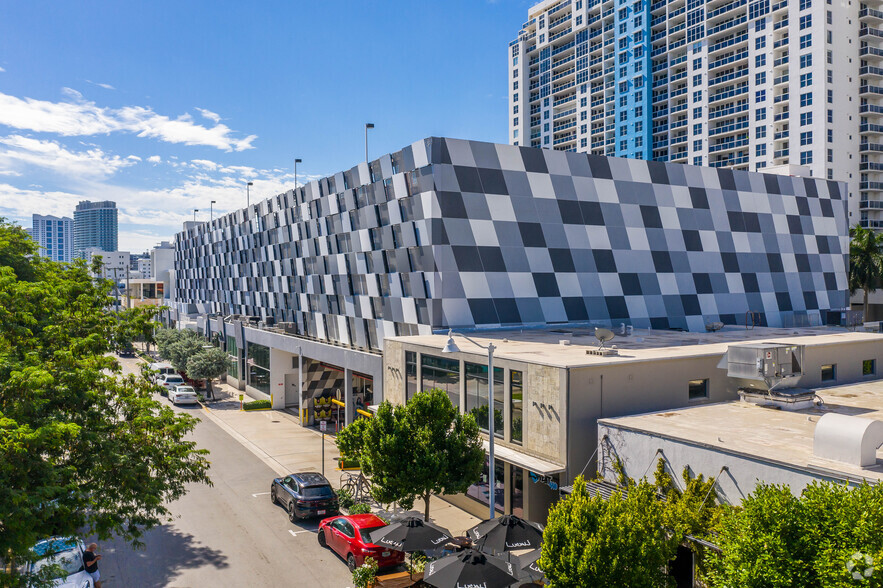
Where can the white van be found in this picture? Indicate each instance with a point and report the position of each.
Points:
(157, 370)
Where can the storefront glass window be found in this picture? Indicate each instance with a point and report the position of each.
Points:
(258, 367)
(233, 353)
(516, 390)
(410, 374)
(517, 491)
(476, 396)
(441, 373)
(479, 490)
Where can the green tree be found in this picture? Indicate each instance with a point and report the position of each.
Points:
(80, 446)
(208, 364)
(414, 450)
(589, 541)
(137, 324)
(865, 262)
(178, 346)
(777, 539)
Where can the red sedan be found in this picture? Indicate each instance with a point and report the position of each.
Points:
(348, 536)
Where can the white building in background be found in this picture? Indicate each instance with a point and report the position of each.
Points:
(162, 265)
(747, 84)
(116, 264)
(55, 236)
(145, 268)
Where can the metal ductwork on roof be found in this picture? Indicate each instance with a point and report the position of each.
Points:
(848, 439)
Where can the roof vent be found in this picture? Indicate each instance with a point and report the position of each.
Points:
(848, 439)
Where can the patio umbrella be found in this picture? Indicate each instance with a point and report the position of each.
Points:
(526, 565)
(411, 534)
(506, 533)
(470, 568)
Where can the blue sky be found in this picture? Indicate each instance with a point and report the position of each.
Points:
(164, 106)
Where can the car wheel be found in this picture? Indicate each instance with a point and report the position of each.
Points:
(351, 562)
(292, 516)
(322, 542)
(273, 494)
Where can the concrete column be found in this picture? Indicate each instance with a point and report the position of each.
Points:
(349, 411)
(280, 364)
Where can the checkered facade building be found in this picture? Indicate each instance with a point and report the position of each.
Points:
(465, 234)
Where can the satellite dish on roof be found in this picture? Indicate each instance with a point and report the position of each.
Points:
(603, 336)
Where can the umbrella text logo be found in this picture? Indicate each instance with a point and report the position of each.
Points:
(860, 565)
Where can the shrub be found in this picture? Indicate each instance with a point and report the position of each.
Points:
(359, 508)
(257, 405)
(364, 575)
(345, 498)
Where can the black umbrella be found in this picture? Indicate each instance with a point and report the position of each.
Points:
(470, 568)
(411, 534)
(526, 564)
(506, 533)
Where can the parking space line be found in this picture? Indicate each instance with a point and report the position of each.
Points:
(296, 533)
(255, 495)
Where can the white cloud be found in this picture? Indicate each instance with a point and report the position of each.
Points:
(100, 85)
(2, 70)
(18, 152)
(154, 159)
(134, 158)
(204, 163)
(78, 117)
(212, 116)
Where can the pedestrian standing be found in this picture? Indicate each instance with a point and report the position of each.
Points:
(90, 559)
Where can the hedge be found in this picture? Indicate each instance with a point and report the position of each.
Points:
(257, 405)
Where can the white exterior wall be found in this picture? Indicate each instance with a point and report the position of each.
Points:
(116, 263)
(639, 451)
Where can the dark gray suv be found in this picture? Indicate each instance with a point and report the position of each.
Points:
(305, 495)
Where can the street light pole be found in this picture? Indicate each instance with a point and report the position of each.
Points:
(296, 161)
(211, 210)
(248, 193)
(195, 210)
(367, 126)
(451, 347)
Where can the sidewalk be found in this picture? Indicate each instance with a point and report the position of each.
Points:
(276, 438)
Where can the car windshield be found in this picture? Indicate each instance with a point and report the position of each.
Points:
(366, 533)
(318, 492)
(174, 379)
(70, 562)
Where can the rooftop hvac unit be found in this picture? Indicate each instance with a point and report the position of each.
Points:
(768, 373)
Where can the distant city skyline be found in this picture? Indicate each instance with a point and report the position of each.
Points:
(196, 101)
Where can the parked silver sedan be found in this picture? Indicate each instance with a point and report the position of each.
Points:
(183, 395)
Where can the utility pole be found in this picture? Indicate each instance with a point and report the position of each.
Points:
(367, 126)
(128, 290)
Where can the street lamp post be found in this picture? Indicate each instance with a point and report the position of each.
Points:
(211, 210)
(195, 210)
(296, 161)
(367, 126)
(451, 347)
(248, 193)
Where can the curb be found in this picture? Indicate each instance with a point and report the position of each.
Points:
(257, 451)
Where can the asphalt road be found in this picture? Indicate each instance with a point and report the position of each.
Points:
(228, 534)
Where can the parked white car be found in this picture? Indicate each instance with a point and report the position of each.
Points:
(183, 395)
(66, 552)
(169, 382)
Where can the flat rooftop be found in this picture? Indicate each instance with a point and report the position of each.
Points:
(766, 434)
(543, 345)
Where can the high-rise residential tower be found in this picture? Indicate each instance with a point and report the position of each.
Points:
(95, 225)
(747, 84)
(55, 236)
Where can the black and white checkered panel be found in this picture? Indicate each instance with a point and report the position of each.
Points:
(470, 234)
(533, 236)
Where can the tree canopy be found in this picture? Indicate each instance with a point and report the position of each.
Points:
(81, 446)
(589, 541)
(779, 540)
(414, 450)
(178, 346)
(865, 262)
(208, 363)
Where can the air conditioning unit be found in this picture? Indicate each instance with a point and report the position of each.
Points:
(768, 374)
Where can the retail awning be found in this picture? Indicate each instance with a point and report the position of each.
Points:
(528, 462)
